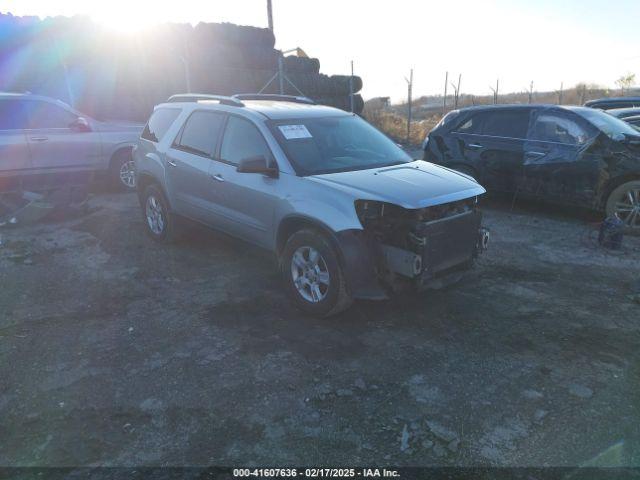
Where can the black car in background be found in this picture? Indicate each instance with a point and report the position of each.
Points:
(568, 155)
(633, 121)
(613, 102)
(629, 115)
(624, 113)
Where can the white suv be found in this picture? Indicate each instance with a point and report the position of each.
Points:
(346, 211)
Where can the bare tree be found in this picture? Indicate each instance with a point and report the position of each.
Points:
(583, 92)
(625, 82)
(495, 91)
(456, 91)
(560, 93)
(531, 92)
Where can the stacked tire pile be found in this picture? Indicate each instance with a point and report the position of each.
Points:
(114, 76)
(333, 90)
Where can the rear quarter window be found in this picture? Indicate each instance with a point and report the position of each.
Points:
(159, 122)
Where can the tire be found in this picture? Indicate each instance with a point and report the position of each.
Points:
(331, 295)
(159, 222)
(122, 171)
(624, 201)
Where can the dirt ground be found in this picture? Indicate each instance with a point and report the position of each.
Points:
(118, 351)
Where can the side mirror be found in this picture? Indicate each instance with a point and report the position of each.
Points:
(258, 164)
(80, 124)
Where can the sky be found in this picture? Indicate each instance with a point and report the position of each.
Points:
(515, 41)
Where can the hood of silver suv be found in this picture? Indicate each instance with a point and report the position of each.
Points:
(411, 185)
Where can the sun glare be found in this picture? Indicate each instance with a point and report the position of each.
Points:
(134, 20)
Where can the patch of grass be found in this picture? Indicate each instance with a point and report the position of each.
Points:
(395, 125)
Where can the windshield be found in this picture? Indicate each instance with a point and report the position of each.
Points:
(609, 124)
(335, 144)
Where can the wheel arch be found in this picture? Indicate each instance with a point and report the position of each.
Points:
(144, 180)
(355, 255)
(614, 183)
(119, 150)
(293, 223)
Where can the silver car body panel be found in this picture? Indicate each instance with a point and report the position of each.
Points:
(417, 184)
(252, 206)
(32, 151)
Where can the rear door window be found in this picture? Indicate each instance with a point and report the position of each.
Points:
(472, 125)
(200, 133)
(242, 140)
(47, 115)
(160, 121)
(507, 123)
(13, 115)
(550, 127)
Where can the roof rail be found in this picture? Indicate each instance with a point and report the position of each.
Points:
(196, 97)
(274, 97)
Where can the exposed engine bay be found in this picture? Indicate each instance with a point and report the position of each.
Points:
(423, 244)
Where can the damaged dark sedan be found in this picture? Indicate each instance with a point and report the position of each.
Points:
(561, 154)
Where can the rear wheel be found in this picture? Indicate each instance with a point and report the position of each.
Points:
(624, 201)
(312, 274)
(123, 171)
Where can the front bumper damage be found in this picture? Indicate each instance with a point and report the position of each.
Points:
(391, 256)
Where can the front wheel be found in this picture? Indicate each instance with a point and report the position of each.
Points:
(624, 201)
(312, 274)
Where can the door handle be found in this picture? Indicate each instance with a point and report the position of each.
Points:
(172, 163)
(39, 139)
(217, 177)
(475, 146)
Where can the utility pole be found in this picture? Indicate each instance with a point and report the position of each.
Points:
(270, 15)
(281, 74)
(444, 100)
(409, 99)
(531, 92)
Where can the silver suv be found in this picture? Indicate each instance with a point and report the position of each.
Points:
(46, 142)
(346, 211)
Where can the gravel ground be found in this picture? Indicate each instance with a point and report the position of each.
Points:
(118, 351)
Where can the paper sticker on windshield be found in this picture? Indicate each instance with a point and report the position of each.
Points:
(292, 132)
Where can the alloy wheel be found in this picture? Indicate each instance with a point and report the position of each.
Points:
(627, 207)
(155, 215)
(128, 174)
(310, 274)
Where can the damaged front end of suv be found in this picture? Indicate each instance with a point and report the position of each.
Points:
(422, 248)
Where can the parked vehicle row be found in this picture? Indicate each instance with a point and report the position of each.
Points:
(630, 115)
(345, 210)
(613, 102)
(44, 143)
(570, 155)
